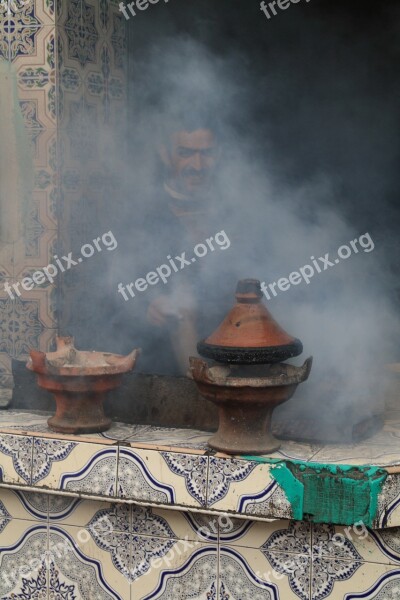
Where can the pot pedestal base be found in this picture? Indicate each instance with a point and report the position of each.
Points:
(79, 381)
(78, 414)
(246, 400)
(244, 430)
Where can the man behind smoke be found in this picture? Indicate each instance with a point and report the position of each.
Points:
(186, 212)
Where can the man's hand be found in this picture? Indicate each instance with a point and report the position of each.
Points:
(179, 319)
(162, 311)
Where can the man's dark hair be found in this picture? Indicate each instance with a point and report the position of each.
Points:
(195, 116)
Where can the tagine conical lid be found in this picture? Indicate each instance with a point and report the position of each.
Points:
(249, 334)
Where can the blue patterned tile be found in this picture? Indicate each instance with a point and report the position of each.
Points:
(119, 41)
(289, 555)
(21, 14)
(75, 467)
(212, 528)
(70, 79)
(20, 327)
(78, 512)
(386, 587)
(89, 16)
(139, 479)
(6, 376)
(145, 522)
(104, 88)
(238, 579)
(34, 13)
(37, 81)
(80, 118)
(16, 459)
(81, 32)
(235, 484)
(73, 14)
(97, 476)
(295, 538)
(81, 46)
(117, 545)
(45, 453)
(388, 514)
(271, 500)
(115, 531)
(5, 517)
(222, 474)
(4, 36)
(30, 113)
(144, 550)
(36, 505)
(38, 564)
(188, 571)
(72, 570)
(85, 567)
(205, 574)
(116, 517)
(23, 562)
(22, 40)
(104, 7)
(193, 469)
(26, 506)
(388, 542)
(357, 543)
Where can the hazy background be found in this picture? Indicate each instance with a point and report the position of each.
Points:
(307, 104)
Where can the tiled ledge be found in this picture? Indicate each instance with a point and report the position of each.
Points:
(173, 468)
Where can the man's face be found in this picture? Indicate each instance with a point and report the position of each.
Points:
(193, 158)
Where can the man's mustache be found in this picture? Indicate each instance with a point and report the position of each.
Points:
(195, 173)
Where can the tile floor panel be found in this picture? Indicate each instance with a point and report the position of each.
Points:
(388, 514)
(79, 512)
(89, 563)
(82, 549)
(179, 524)
(248, 574)
(74, 467)
(110, 465)
(26, 506)
(23, 566)
(336, 580)
(356, 543)
(175, 570)
(162, 477)
(236, 485)
(16, 459)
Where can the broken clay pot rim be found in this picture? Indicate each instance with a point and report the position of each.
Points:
(223, 376)
(69, 362)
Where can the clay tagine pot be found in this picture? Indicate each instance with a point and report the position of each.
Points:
(249, 334)
(246, 398)
(79, 382)
(247, 389)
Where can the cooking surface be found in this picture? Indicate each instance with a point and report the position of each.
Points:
(382, 449)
